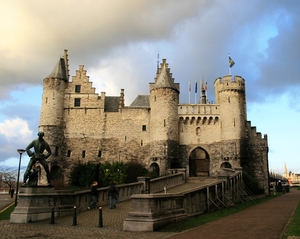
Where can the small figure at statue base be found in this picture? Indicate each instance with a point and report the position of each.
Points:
(34, 176)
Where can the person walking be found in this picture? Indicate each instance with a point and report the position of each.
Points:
(12, 191)
(113, 195)
(94, 195)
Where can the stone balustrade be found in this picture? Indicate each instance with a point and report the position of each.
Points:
(151, 211)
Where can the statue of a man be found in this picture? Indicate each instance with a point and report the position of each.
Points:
(39, 145)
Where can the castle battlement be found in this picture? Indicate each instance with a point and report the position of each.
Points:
(253, 132)
(198, 109)
(229, 83)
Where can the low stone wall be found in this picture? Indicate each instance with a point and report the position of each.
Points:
(37, 203)
(157, 185)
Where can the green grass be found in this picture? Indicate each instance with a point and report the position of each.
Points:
(293, 228)
(5, 215)
(211, 216)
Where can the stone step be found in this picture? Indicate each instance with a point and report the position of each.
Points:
(193, 183)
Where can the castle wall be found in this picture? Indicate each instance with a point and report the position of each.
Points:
(110, 136)
(256, 163)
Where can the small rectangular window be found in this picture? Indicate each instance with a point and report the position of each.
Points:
(77, 102)
(56, 151)
(99, 153)
(83, 154)
(144, 128)
(69, 153)
(77, 88)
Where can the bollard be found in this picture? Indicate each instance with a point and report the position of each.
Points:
(52, 216)
(74, 217)
(100, 217)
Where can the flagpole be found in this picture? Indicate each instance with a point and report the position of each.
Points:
(229, 65)
(195, 91)
(189, 92)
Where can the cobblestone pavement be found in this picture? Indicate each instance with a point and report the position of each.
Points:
(87, 226)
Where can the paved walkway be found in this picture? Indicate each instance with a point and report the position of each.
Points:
(266, 220)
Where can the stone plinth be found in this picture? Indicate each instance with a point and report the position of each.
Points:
(35, 203)
(151, 211)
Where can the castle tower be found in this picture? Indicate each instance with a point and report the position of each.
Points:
(285, 172)
(230, 95)
(52, 111)
(164, 137)
(203, 99)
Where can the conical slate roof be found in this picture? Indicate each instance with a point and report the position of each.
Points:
(164, 77)
(59, 71)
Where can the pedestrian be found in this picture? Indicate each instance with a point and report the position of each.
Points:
(94, 195)
(113, 195)
(12, 191)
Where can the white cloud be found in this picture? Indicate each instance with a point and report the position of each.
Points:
(15, 130)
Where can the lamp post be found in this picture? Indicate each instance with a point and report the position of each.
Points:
(20, 151)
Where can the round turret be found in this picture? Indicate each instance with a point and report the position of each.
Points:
(164, 100)
(230, 95)
(52, 110)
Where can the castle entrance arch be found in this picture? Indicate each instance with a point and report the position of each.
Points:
(56, 174)
(226, 165)
(154, 168)
(199, 163)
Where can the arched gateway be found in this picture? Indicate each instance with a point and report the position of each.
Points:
(199, 163)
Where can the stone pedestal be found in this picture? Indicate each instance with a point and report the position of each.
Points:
(35, 203)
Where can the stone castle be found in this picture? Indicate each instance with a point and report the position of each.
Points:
(156, 130)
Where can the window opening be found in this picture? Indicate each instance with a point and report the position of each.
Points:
(77, 88)
(77, 102)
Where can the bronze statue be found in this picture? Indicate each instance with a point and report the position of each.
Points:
(39, 145)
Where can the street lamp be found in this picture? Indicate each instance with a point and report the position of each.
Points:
(20, 151)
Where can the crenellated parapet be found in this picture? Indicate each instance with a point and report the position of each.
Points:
(198, 109)
(254, 134)
(228, 83)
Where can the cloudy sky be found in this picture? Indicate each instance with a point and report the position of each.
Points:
(118, 42)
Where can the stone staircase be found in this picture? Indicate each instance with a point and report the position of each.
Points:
(193, 182)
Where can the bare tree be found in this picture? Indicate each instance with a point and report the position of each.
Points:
(8, 177)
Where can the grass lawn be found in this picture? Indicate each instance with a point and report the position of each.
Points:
(5, 215)
(293, 227)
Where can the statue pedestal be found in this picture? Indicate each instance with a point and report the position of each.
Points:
(35, 203)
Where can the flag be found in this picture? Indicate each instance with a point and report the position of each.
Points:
(189, 86)
(196, 87)
(231, 62)
(206, 86)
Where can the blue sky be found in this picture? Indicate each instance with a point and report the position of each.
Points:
(118, 42)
